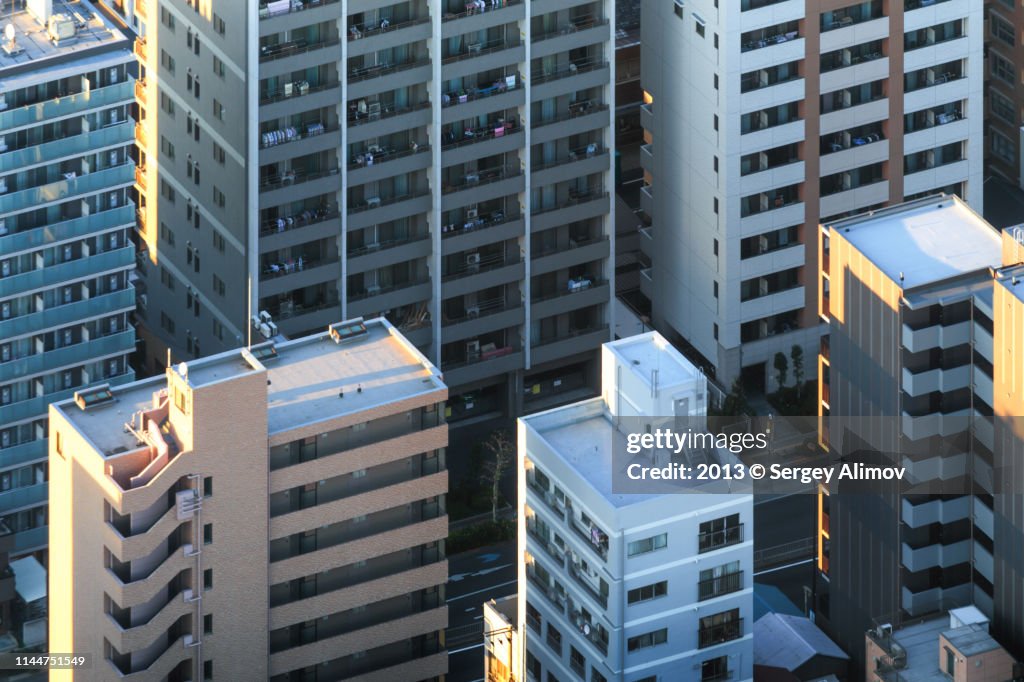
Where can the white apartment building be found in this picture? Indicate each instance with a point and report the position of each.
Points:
(766, 117)
(640, 587)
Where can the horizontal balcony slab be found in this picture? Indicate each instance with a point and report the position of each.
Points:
(388, 300)
(389, 254)
(483, 369)
(566, 301)
(572, 345)
(486, 321)
(385, 211)
(388, 122)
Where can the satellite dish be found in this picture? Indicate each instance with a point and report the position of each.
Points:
(9, 32)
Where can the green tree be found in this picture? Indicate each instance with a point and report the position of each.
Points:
(781, 369)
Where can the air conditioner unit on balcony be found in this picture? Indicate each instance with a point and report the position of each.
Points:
(472, 214)
(473, 312)
(472, 349)
(473, 260)
(373, 289)
(3, 185)
(3, 226)
(762, 243)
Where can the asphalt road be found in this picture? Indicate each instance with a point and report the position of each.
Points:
(473, 578)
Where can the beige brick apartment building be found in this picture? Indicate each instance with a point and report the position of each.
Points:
(274, 513)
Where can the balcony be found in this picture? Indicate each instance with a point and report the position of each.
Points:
(298, 275)
(545, 496)
(75, 228)
(372, 256)
(297, 185)
(470, 20)
(366, 125)
(94, 350)
(386, 163)
(577, 341)
(720, 585)
(282, 145)
(941, 380)
(935, 555)
(176, 652)
(25, 497)
(71, 146)
(377, 210)
(301, 96)
(579, 252)
(51, 193)
(70, 272)
(502, 95)
(483, 57)
(553, 552)
(480, 232)
(579, 117)
(282, 59)
(492, 362)
(578, 33)
(386, 77)
(374, 37)
(274, 10)
(555, 600)
(577, 207)
(491, 317)
(577, 76)
(580, 294)
(937, 423)
(579, 163)
(483, 185)
(389, 297)
(595, 539)
(717, 634)
(583, 581)
(69, 313)
(79, 103)
(502, 137)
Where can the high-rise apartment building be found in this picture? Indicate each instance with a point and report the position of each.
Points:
(923, 315)
(1004, 92)
(767, 117)
(67, 136)
(629, 586)
(267, 513)
(442, 162)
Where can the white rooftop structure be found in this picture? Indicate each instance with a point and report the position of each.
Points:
(73, 28)
(924, 241)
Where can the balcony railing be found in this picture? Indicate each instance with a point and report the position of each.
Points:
(547, 496)
(575, 68)
(289, 178)
(556, 600)
(300, 90)
(585, 152)
(576, 197)
(367, 29)
(496, 88)
(480, 49)
(719, 585)
(485, 309)
(292, 267)
(549, 547)
(361, 295)
(485, 265)
(377, 202)
(301, 219)
(282, 7)
(370, 159)
(358, 75)
(479, 223)
(577, 24)
(385, 245)
(596, 539)
(589, 587)
(483, 177)
(575, 110)
(716, 634)
(472, 8)
(488, 132)
(356, 117)
(269, 53)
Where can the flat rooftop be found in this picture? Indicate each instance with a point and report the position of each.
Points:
(584, 436)
(36, 50)
(921, 642)
(306, 378)
(309, 373)
(927, 240)
(646, 354)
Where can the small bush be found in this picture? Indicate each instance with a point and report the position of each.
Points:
(479, 535)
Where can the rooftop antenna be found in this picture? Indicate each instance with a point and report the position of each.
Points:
(901, 276)
(168, 358)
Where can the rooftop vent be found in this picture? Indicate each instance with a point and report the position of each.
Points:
(343, 331)
(92, 397)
